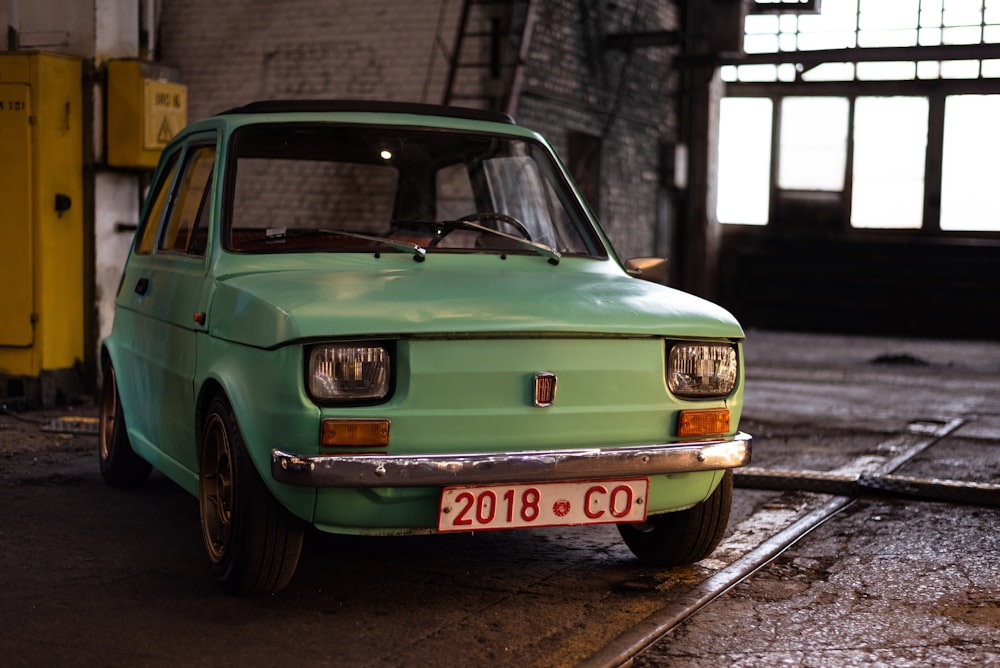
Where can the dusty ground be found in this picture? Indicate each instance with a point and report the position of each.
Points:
(889, 581)
(886, 583)
(95, 576)
(32, 443)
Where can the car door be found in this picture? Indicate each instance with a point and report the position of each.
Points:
(165, 287)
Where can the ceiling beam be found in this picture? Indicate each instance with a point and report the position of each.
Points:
(851, 55)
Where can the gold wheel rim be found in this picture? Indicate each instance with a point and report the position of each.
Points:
(216, 489)
(109, 408)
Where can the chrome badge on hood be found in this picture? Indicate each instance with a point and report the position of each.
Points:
(545, 389)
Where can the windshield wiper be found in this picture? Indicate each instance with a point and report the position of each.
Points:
(546, 251)
(418, 252)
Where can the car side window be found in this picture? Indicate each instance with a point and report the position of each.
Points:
(186, 225)
(151, 223)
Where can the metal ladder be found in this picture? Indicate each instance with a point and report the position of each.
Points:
(486, 65)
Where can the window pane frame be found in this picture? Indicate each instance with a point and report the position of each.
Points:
(812, 143)
(889, 157)
(968, 171)
(744, 173)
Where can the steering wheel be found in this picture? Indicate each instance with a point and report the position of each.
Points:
(477, 217)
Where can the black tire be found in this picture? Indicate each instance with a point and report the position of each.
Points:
(120, 466)
(253, 542)
(683, 537)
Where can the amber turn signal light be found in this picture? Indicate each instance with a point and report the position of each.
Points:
(705, 422)
(355, 433)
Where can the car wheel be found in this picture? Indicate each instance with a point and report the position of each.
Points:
(253, 542)
(683, 537)
(120, 466)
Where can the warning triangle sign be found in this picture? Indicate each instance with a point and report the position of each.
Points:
(165, 133)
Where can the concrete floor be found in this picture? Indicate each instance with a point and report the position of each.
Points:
(97, 576)
(888, 581)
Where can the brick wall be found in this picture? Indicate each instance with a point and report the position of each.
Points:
(627, 99)
(233, 51)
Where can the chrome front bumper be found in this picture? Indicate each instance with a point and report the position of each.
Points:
(509, 467)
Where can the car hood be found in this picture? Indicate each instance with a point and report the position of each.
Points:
(268, 309)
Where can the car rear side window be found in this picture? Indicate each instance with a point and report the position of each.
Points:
(146, 237)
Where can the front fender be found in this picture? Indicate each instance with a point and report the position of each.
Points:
(265, 391)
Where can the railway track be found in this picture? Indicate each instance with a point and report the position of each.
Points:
(844, 487)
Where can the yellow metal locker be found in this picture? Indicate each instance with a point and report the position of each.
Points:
(42, 223)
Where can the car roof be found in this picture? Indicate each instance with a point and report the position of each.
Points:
(372, 106)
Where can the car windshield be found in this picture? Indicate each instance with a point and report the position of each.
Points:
(320, 187)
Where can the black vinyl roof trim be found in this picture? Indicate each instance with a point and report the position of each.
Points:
(373, 106)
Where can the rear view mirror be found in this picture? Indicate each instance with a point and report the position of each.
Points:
(648, 269)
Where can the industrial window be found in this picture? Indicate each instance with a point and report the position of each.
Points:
(813, 143)
(744, 160)
(850, 24)
(969, 170)
(884, 113)
(890, 145)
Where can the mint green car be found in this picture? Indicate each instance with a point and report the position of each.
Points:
(388, 318)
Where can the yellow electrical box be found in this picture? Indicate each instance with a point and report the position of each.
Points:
(146, 107)
(41, 220)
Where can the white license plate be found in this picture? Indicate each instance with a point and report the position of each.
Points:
(543, 504)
